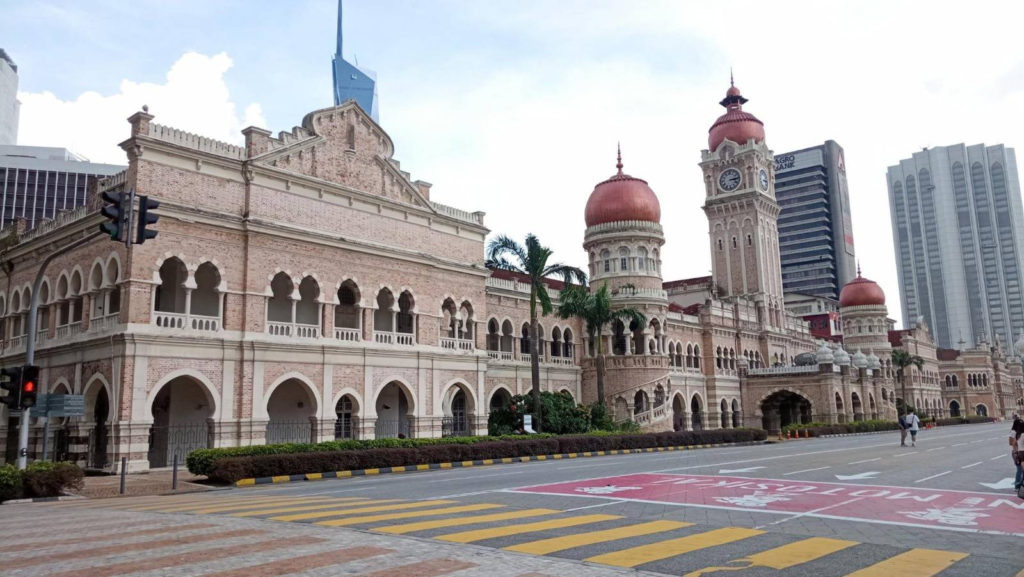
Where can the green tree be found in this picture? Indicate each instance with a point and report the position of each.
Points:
(595, 309)
(531, 260)
(902, 360)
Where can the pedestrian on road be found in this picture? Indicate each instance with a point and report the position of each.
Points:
(1017, 452)
(903, 431)
(912, 423)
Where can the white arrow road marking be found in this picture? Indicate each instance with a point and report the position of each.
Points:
(868, 475)
(1006, 483)
(747, 470)
(932, 477)
(805, 471)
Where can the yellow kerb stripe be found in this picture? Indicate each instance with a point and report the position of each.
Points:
(546, 546)
(374, 509)
(408, 515)
(480, 535)
(918, 562)
(278, 510)
(460, 521)
(664, 549)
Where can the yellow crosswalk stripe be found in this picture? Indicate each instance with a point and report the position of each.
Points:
(244, 506)
(546, 546)
(196, 507)
(458, 522)
(408, 515)
(277, 510)
(481, 534)
(786, 556)
(350, 511)
(664, 549)
(918, 562)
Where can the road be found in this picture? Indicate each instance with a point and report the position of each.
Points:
(858, 505)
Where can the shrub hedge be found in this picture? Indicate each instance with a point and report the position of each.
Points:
(963, 421)
(232, 468)
(39, 479)
(820, 429)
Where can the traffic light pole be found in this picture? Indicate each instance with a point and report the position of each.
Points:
(30, 342)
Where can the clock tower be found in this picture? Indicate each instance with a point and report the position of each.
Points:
(739, 180)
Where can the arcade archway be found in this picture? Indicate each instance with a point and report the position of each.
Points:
(784, 408)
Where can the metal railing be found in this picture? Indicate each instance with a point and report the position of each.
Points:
(455, 426)
(352, 335)
(298, 431)
(392, 428)
(167, 441)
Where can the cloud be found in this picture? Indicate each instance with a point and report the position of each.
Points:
(194, 98)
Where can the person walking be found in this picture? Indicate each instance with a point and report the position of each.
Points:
(1017, 452)
(912, 423)
(903, 430)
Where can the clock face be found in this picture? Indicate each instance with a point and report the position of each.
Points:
(764, 180)
(729, 180)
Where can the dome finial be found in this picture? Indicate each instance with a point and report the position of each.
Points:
(731, 83)
(618, 164)
(858, 268)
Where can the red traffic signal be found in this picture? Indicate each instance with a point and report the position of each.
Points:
(29, 377)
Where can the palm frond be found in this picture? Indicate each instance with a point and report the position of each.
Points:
(502, 264)
(629, 314)
(502, 246)
(545, 300)
(569, 274)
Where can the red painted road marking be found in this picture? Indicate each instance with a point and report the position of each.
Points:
(959, 510)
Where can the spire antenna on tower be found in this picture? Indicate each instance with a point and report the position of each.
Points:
(858, 267)
(731, 83)
(618, 164)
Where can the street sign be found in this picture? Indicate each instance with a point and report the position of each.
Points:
(65, 405)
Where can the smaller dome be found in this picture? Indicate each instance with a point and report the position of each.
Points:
(859, 360)
(735, 125)
(874, 363)
(733, 91)
(825, 355)
(622, 198)
(861, 292)
(842, 357)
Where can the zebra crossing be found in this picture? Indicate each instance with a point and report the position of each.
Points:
(658, 545)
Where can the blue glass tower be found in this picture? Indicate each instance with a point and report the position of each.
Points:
(352, 82)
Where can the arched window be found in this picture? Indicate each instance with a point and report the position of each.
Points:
(307, 309)
(507, 336)
(606, 256)
(736, 416)
(347, 315)
(567, 344)
(170, 294)
(206, 295)
(493, 338)
(720, 244)
(279, 309)
(655, 260)
(524, 342)
(405, 319)
(724, 414)
(689, 356)
(556, 342)
(659, 395)
(623, 259)
(734, 243)
(718, 358)
(750, 240)
(346, 425)
(641, 259)
(696, 356)
(732, 359)
(619, 343)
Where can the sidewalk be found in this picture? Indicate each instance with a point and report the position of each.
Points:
(137, 484)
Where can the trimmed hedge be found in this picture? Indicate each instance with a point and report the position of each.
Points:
(963, 421)
(39, 479)
(820, 429)
(231, 469)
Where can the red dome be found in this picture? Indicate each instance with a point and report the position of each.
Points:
(736, 125)
(621, 198)
(861, 292)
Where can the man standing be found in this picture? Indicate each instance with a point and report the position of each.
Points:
(1017, 452)
(912, 423)
(903, 431)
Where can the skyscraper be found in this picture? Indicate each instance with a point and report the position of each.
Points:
(9, 105)
(352, 82)
(815, 227)
(958, 231)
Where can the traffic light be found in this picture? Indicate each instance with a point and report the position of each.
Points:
(29, 385)
(10, 381)
(146, 218)
(114, 212)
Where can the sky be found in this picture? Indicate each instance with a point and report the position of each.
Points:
(515, 108)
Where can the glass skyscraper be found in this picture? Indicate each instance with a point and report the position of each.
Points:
(352, 82)
(815, 226)
(958, 231)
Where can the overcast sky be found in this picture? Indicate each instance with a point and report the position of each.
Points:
(514, 108)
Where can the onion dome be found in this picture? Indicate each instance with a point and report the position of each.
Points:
(825, 355)
(621, 198)
(859, 360)
(842, 357)
(874, 363)
(736, 125)
(861, 292)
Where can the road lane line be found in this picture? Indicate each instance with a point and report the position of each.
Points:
(480, 535)
(409, 515)
(786, 556)
(805, 471)
(555, 544)
(900, 456)
(959, 444)
(664, 549)
(350, 511)
(999, 457)
(579, 467)
(460, 521)
(865, 461)
(448, 479)
(923, 562)
(935, 449)
(971, 465)
(932, 477)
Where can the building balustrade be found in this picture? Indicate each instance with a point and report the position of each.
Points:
(41, 337)
(307, 331)
(350, 335)
(461, 345)
(18, 341)
(501, 355)
(562, 361)
(389, 338)
(103, 323)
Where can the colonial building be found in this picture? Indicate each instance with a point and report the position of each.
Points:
(304, 287)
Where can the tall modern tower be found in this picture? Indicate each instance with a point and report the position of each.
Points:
(815, 226)
(9, 105)
(352, 82)
(958, 230)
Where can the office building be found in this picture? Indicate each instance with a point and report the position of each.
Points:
(958, 231)
(36, 182)
(352, 82)
(815, 227)
(9, 105)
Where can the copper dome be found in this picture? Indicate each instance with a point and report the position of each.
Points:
(736, 125)
(861, 292)
(621, 198)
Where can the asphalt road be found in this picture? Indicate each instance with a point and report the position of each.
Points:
(844, 506)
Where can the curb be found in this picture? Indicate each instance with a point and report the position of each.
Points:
(897, 430)
(479, 463)
(45, 499)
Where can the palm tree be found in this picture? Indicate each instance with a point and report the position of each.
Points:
(531, 261)
(595, 309)
(902, 360)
